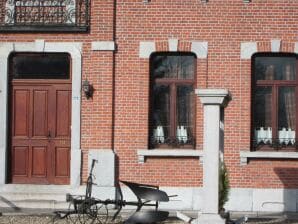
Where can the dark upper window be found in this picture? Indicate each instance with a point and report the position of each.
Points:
(40, 66)
(275, 101)
(172, 111)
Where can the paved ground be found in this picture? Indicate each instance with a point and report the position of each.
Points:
(47, 218)
(20, 219)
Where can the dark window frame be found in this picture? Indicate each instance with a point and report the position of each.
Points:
(275, 86)
(173, 84)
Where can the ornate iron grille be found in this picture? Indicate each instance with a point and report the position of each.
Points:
(269, 144)
(178, 142)
(44, 15)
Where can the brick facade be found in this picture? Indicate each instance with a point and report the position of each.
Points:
(117, 116)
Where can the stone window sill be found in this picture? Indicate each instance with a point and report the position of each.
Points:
(142, 154)
(246, 155)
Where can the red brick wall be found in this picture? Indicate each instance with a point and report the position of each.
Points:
(224, 24)
(97, 67)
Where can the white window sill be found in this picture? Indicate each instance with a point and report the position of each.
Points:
(142, 154)
(245, 155)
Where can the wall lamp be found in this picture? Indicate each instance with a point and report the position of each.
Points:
(88, 89)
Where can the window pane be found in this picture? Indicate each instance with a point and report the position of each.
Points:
(41, 66)
(286, 115)
(185, 113)
(275, 68)
(173, 66)
(160, 119)
(263, 115)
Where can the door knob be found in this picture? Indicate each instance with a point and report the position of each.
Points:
(49, 134)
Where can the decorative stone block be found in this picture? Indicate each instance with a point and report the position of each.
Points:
(275, 45)
(296, 48)
(104, 170)
(173, 44)
(103, 46)
(248, 49)
(146, 49)
(39, 45)
(200, 48)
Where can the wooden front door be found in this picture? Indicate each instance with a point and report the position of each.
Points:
(40, 131)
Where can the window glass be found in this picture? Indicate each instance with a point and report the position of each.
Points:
(40, 66)
(172, 100)
(185, 113)
(173, 66)
(275, 102)
(262, 114)
(286, 115)
(275, 68)
(161, 112)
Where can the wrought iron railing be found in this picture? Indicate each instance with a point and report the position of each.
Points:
(287, 144)
(177, 142)
(44, 15)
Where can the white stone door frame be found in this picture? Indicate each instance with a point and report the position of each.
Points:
(74, 49)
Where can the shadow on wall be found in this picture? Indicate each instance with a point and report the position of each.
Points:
(285, 199)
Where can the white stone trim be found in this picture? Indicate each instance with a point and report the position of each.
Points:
(142, 154)
(146, 49)
(173, 44)
(213, 100)
(245, 155)
(74, 49)
(213, 96)
(262, 200)
(104, 169)
(275, 45)
(39, 45)
(200, 48)
(103, 45)
(248, 49)
(296, 48)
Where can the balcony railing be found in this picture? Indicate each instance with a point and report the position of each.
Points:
(44, 15)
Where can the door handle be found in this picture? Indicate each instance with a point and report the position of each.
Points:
(49, 134)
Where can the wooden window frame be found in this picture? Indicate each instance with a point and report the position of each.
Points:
(275, 86)
(172, 83)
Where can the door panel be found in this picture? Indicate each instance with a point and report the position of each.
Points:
(63, 113)
(40, 133)
(61, 167)
(39, 155)
(21, 112)
(40, 113)
(20, 160)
